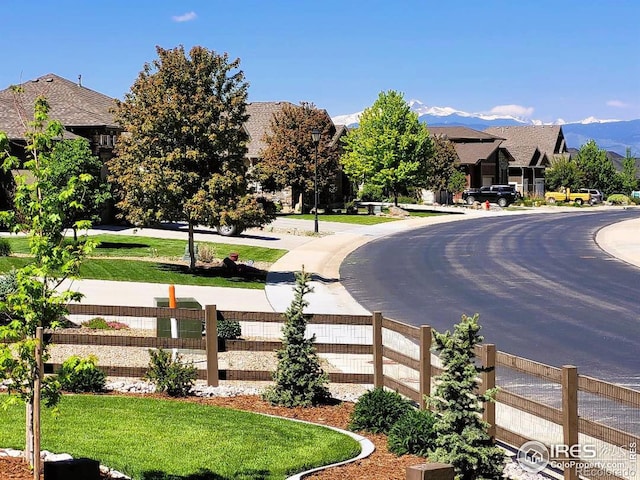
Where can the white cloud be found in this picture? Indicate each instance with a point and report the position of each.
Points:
(512, 110)
(617, 104)
(187, 17)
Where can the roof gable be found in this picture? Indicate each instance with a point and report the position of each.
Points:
(259, 121)
(549, 139)
(70, 103)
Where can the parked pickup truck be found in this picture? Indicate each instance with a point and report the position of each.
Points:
(503, 195)
(566, 195)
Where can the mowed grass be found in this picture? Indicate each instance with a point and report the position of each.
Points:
(156, 438)
(359, 219)
(154, 268)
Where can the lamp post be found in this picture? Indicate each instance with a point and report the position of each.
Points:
(315, 137)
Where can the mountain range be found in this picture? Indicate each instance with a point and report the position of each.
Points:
(612, 135)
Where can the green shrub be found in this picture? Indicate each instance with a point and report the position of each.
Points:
(97, 323)
(407, 199)
(372, 193)
(378, 410)
(8, 283)
(81, 375)
(229, 329)
(618, 199)
(5, 247)
(412, 433)
(170, 376)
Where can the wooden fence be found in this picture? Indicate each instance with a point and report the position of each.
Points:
(414, 354)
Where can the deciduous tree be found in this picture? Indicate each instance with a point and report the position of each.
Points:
(563, 172)
(390, 148)
(38, 299)
(181, 157)
(441, 163)
(628, 177)
(71, 158)
(289, 157)
(597, 170)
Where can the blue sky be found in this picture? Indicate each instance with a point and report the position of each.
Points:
(542, 59)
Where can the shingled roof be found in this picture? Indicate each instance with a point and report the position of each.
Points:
(71, 104)
(472, 146)
(260, 115)
(523, 141)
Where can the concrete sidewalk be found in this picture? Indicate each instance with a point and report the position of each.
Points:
(321, 256)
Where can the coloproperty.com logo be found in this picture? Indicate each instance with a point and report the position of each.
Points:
(534, 456)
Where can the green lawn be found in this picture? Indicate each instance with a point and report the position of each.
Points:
(159, 439)
(156, 270)
(359, 219)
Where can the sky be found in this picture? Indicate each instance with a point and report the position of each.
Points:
(538, 59)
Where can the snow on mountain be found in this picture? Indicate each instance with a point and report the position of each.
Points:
(614, 135)
(424, 110)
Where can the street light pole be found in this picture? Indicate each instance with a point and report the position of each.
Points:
(315, 137)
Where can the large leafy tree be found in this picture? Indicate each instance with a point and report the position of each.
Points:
(390, 148)
(289, 157)
(71, 158)
(597, 170)
(563, 172)
(181, 157)
(37, 298)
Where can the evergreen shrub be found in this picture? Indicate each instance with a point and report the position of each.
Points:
(378, 410)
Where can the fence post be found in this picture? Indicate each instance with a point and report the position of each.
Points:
(378, 374)
(425, 364)
(211, 338)
(488, 359)
(570, 413)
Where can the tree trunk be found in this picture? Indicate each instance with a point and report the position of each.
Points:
(192, 253)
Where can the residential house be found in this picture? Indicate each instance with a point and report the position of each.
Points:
(477, 154)
(528, 151)
(258, 124)
(83, 113)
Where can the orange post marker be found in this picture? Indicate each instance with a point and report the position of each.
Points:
(172, 296)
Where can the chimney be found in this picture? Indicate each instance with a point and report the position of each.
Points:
(79, 80)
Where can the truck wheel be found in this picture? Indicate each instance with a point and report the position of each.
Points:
(550, 200)
(578, 201)
(471, 200)
(502, 202)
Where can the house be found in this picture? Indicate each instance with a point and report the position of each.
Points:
(83, 113)
(478, 154)
(528, 151)
(258, 124)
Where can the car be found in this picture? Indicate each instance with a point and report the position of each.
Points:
(503, 195)
(596, 195)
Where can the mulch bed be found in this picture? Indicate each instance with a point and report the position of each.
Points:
(381, 465)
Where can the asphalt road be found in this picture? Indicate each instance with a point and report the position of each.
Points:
(542, 286)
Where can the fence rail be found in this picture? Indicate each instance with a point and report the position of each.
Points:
(397, 356)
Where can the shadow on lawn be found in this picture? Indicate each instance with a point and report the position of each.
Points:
(247, 275)
(249, 474)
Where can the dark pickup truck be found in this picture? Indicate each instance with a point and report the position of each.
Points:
(503, 195)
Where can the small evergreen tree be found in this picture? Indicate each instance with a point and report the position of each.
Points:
(299, 378)
(461, 434)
